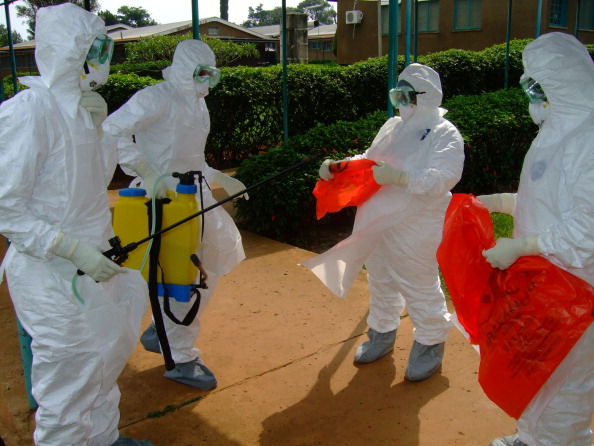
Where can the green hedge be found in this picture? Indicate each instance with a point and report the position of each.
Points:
(497, 130)
(246, 107)
(284, 209)
(121, 87)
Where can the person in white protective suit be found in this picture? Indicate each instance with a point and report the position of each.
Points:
(170, 123)
(554, 217)
(55, 211)
(420, 157)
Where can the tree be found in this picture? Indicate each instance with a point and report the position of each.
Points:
(30, 8)
(134, 17)
(262, 17)
(225, 9)
(108, 17)
(16, 37)
(319, 10)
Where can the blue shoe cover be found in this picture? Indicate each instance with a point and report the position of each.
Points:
(194, 374)
(127, 441)
(511, 440)
(424, 361)
(379, 344)
(150, 340)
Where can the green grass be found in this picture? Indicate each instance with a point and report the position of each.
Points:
(503, 225)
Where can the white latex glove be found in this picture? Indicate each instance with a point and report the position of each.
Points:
(86, 257)
(95, 105)
(505, 203)
(325, 173)
(230, 184)
(385, 174)
(508, 250)
(149, 178)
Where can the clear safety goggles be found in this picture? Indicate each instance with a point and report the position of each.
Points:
(533, 90)
(404, 94)
(101, 50)
(207, 73)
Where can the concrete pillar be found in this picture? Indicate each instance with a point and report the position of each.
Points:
(297, 43)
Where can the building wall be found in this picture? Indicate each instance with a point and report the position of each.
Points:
(320, 48)
(359, 42)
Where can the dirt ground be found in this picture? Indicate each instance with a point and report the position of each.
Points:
(281, 346)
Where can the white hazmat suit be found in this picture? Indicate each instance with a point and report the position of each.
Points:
(554, 217)
(170, 123)
(54, 186)
(397, 231)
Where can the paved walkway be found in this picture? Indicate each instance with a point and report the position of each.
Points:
(281, 346)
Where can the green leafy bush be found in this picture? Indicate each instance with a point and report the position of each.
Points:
(497, 130)
(246, 107)
(284, 209)
(120, 87)
(152, 69)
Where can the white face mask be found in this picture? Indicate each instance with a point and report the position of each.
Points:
(202, 89)
(406, 111)
(539, 111)
(97, 75)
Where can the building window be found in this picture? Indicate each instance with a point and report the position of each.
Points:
(428, 19)
(558, 15)
(468, 14)
(587, 15)
(386, 19)
(213, 31)
(320, 45)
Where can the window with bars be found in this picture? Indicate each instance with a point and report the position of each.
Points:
(558, 15)
(468, 14)
(587, 15)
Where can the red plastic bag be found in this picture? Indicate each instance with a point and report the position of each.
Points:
(352, 185)
(467, 231)
(525, 318)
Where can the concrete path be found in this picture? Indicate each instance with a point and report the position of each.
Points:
(281, 346)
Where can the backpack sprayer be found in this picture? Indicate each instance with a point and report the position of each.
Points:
(176, 247)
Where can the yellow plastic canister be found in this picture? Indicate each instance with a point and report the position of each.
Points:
(177, 245)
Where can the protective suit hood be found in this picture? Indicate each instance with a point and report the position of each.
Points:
(564, 69)
(63, 34)
(426, 81)
(423, 79)
(187, 56)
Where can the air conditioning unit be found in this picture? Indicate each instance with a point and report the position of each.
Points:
(354, 17)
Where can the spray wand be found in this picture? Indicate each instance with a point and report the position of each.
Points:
(119, 253)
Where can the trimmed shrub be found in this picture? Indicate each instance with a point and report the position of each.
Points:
(496, 127)
(497, 131)
(121, 87)
(284, 209)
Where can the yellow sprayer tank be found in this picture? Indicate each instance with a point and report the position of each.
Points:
(130, 222)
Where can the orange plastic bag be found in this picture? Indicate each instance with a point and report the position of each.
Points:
(352, 185)
(525, 319)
